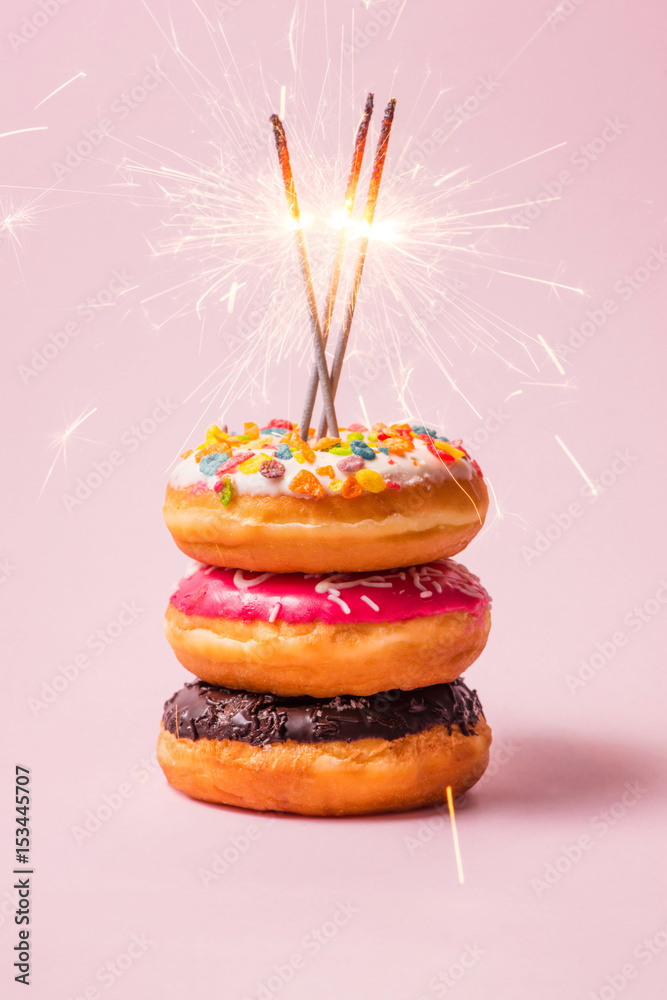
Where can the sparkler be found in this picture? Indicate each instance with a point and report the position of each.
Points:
(369, 214)
(350, 195)
(318, 340)
(224, 234)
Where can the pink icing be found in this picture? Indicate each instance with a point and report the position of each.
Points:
(436, 588)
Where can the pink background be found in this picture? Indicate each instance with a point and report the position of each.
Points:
(562, 757)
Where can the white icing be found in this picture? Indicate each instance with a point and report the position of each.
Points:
(193, 568)
(242, 583)
(334, 595)
(341, 583)
(274, 611)
(400, 469)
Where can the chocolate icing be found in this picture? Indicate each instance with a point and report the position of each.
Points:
(204, 711)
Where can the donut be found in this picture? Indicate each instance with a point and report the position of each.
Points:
(268, 501)
(324, 757)
(322, 634)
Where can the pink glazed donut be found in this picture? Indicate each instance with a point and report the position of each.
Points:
(322, 634)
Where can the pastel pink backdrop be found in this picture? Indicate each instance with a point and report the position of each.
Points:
(562, 756)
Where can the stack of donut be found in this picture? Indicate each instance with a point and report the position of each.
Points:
(325, 623)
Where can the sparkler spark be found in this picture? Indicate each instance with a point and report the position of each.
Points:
(455, 836)
(58, 89)
(225, 235)
(552, 354)
(19, 131)
(577, 466)
(60, 442)
(14, 220)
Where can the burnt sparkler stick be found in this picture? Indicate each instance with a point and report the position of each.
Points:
(293, 205)
(369, 213)
(350, 195)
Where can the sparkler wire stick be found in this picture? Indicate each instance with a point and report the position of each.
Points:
(350, 195)
(369, 213)
(293, 206)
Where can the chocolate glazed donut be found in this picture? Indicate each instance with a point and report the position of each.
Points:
(395, 750)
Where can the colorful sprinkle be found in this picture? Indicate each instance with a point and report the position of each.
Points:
(361, 448)
(357, 427)
(286, 425)
(305, 450)
(215, 433)
(325, 470)
(445, 456)
(355, 436)
(399, 447)
(419, 429)
(207, 449)
(232, 464)
(306, 482)
(350, 464)
(225, 489)
(210, 463)
(272, 469)
(252, 465)
(391, 485)
(341, 449)
(371, 481)
(351, 488)
(454, 452)
(336, 485)
(283, 452)
(324, 444)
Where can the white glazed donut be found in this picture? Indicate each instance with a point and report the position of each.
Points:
(370, 500)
